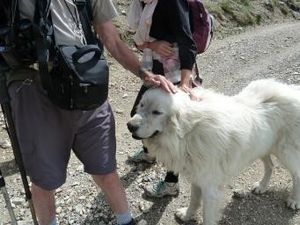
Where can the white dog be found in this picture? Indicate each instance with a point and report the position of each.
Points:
(214, 139)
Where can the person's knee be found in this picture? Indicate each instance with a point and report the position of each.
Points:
(36, 189)
(107, 179)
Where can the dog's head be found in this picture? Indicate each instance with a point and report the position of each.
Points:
(154, 113)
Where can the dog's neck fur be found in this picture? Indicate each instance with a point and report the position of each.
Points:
(173, 147)
(174, 153)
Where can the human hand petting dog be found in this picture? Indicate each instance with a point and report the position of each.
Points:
(186, 85)
(156, 80)
(163, 48)
(190, 91)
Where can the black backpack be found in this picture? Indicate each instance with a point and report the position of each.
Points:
(77, 80)
(17, 45)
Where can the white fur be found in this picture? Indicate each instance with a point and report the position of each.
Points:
(213, 140)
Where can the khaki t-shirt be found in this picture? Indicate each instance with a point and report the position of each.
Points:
(65, 18)
(66, 23)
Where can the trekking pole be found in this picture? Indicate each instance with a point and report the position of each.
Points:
(7, 200)
(6, 110)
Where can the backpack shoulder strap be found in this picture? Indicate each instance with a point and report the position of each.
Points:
(89, 9)
(41, 30)
(86, 17)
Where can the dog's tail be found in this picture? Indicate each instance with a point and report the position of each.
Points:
(263, 91)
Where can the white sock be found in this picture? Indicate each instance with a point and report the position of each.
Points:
(54, 222)
(123, 218)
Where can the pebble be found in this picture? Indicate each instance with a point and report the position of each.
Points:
(142, 222)
(145, 207)
(5, 144)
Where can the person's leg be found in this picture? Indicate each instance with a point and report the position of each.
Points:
(142, 156)
(137, 100)
(167, 187)
(113, 190)
(44, 204)
(171, 177)
(45, 152)
(95, 146)
(115, 195)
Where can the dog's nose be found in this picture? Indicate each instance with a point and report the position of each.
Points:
(132, 128)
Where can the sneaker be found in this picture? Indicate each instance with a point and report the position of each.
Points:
(142, 156)
(212, 21)
(132, 222)
(162, 189)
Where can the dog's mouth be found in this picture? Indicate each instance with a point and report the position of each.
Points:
(134, 136)
(154, 134)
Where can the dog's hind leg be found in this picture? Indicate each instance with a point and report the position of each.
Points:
(293, 201)
(187, 213)
(212, 198)
(262, 186)
(290, 159)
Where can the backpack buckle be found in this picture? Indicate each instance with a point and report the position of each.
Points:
(80, 3)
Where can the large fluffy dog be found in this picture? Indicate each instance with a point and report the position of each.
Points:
(214, 139)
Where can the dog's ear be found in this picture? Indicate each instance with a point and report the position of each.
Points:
(180, 123)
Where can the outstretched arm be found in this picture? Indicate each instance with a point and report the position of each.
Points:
(109, 36)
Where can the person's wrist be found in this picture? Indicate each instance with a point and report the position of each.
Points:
(142, 73)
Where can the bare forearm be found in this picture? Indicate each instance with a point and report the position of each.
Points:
(124, 56)
(109, 36)
(186, 77)
(117, 48)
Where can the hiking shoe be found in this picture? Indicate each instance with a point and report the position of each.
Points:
(212, 21)
(132, 222)
(162, 189)
(142, 156)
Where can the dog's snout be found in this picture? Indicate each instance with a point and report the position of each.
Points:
(132, 128)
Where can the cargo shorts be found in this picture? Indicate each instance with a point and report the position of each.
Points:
(47, 134)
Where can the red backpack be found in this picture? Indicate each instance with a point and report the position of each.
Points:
(202, 25)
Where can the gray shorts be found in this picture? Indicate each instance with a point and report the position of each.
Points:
(47, 133)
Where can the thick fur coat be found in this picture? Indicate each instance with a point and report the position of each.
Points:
(213, 140)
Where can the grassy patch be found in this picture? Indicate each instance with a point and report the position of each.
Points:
(240, 11)
(245, 13)
(271, 5)
(293, 4)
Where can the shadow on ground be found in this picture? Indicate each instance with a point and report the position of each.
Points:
(9, 168)
(154, 213)
(266, 209)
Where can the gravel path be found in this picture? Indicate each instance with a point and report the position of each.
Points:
(228, 65)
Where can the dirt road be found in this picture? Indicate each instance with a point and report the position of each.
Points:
(229, 64)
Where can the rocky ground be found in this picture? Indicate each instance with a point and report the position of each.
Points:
(228, 65)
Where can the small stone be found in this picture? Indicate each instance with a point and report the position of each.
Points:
(5, 144)
(17, 201)
(142, 222)
(119, 111)
(58, 210)
(145, 206)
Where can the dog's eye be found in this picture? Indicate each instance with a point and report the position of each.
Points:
(142, 105)
(155, 112)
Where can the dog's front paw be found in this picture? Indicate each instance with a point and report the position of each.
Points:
(183, 214)
(293, 204)
(259, 189)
